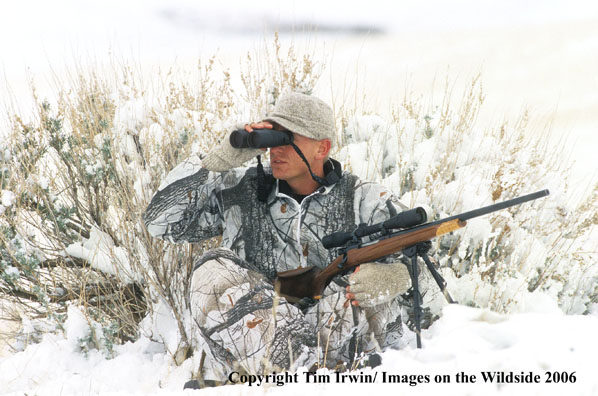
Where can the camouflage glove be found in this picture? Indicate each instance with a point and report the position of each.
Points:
(225, 157)
(374, 283)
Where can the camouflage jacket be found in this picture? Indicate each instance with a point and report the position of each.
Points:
(194, 204)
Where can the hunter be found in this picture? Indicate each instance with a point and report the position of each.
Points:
(272, 219)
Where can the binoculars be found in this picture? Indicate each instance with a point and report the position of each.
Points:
(260, 138)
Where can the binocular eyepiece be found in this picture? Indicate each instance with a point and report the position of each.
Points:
(260, 138)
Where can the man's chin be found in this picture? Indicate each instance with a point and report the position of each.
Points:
(278, 174)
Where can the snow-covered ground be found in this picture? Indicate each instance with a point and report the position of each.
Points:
(465, 341)
(541, 54)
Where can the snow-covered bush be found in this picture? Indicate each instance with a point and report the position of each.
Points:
(78, 176)
(438, 158)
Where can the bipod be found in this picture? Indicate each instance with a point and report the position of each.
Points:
(413, 252)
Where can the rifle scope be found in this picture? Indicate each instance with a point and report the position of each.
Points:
(260, 138)
(406, 219)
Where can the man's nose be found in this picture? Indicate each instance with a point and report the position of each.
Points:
(276, 150)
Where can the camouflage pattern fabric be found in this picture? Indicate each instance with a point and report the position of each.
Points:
(247, 327)
(260, 239)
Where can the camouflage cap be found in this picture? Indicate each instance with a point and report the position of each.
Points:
(305, 115)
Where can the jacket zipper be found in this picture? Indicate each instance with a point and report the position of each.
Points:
(302, 258)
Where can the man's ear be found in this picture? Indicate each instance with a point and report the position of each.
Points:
(323, 149)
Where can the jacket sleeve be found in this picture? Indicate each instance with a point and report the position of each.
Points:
(185, 208)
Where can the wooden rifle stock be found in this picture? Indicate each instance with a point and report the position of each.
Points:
(311, 281)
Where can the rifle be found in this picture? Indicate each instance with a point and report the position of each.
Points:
(311, 281)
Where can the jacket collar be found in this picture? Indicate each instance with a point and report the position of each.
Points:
(333, 172)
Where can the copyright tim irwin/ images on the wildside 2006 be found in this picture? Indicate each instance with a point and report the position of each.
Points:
(372, 377)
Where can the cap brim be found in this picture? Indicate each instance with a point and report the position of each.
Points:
(289, 126)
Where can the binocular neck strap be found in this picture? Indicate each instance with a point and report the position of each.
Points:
(264, 182)
(316, 178)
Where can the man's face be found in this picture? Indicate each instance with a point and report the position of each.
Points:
(286, 163)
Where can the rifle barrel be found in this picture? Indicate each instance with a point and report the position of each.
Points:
(498, 206)
(475, 213)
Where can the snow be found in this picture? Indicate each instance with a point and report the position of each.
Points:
(8, 198)
(534, 337)
(99, 250)
(465, 339)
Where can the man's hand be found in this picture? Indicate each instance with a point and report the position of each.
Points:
(258, 125)
(374, 283)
